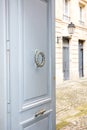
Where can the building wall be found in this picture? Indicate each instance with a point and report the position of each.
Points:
(79, 34)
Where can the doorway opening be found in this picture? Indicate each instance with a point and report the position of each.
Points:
(65, 58)
(81, 53)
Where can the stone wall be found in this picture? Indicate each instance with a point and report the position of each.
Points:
(79, 34)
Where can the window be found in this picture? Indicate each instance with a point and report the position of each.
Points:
(66, 7)
(66, 10)
(81, 14)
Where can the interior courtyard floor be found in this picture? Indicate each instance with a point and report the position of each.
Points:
(71, 105)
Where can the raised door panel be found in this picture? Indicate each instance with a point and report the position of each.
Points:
(38, 125)
(33, 32)
(35, 38)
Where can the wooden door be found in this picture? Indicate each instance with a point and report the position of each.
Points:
(32, 65)
(81, 74)
(66, 59)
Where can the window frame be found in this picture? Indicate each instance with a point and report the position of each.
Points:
(81, 13)
(66, 12)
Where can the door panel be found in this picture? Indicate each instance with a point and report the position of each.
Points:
(35, 22)
(39, 125)
(32, 86)
(34, 37)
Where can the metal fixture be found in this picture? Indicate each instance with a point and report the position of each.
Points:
(39, 58)
(58, 39)
(71, 28)
(40, 113)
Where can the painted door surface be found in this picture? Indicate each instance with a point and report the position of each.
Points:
(80, 60)
(66, 60)
(3, 66)
(32, 65)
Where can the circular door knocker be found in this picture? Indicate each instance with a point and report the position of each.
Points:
(39, 58)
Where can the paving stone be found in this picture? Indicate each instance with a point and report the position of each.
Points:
(71, 95)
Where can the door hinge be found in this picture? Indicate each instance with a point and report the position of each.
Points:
(9, 108)
(8, 116)
(8, 45)
(44, 0)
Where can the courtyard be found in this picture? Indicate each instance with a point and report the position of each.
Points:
(71, 105)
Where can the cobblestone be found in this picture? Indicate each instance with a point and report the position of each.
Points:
(71, 105)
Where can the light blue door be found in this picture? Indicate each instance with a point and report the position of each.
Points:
(32, 65)
(81, 73)
(66, 59)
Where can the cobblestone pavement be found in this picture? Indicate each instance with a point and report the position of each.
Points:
(71, 105)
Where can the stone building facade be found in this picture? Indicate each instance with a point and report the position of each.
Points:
(71, 50)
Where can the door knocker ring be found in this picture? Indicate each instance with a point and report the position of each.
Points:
(39, 58)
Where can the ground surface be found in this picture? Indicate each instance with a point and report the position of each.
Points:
(71, 105)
